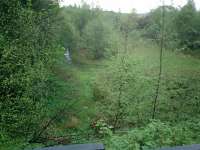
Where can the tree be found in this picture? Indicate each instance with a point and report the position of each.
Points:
(68, 33)
(26, 44)
(185, 25)
(95, 38)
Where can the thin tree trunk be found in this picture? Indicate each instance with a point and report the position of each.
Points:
(161, 56)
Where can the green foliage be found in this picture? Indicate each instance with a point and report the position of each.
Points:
(182, 98)
(68, 34)
(186, 25)
(95, 38)
(154, 135)
(26, 44)
(115, 90)
(181, 26)
(103, 129)
(112, 78)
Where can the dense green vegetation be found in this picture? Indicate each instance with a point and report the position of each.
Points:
(107, 93)
(27, 56)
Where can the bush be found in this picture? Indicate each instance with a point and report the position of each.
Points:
(154, 135)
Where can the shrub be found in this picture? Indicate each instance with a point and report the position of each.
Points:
(154, 135)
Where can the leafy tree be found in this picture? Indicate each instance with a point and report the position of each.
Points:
(95, 38)
(185, 24)
(68, 33)
(26, 44)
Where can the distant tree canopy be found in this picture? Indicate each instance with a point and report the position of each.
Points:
(84, 28)
(187, 26)
(181, 26)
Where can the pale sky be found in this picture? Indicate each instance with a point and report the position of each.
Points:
(141, 6)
